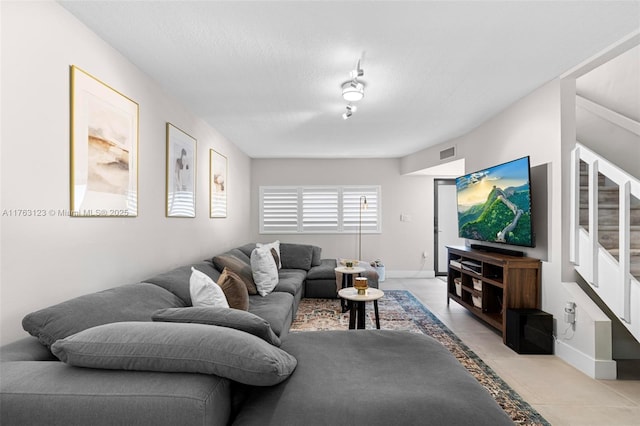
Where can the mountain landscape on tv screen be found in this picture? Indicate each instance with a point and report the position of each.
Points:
(505, 217)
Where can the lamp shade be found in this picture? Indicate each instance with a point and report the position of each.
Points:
(352, 91)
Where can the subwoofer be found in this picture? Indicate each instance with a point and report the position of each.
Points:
(529, 331)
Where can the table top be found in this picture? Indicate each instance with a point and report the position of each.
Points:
(351, 293)
(353, 270)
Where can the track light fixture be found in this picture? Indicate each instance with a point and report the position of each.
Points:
(350, 110)
(353, 90)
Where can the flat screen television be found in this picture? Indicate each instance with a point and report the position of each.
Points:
(494, 204)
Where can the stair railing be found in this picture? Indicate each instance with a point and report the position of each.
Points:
(628, 186)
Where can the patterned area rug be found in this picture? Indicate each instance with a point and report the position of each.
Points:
(400, 310)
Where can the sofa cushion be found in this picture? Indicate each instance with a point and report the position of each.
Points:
(296, 256)
(276, 308)
(234, 290)
(290, 280)
(372, 377)
(264, 269)
(240, 254)
(232, 318)
(176, 348)
(316, 257)
(239, 266)
(324, 271)
(57, 394)
(133, 302)
(25, 349)
(177, 279)
(205, 292)
(247, 249)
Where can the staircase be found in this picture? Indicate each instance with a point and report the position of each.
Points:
(605, 233)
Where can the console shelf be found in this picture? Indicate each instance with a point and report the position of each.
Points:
(501, 282)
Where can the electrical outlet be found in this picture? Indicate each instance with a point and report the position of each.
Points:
(570, 313)
(425, 254)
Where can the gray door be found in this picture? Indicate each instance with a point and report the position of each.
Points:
(445, 222)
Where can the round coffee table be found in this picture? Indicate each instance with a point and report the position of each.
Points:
(358, 302)
(347, 278)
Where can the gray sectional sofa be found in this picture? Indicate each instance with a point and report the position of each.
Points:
(138, 354)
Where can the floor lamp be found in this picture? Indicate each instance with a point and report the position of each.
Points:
(363, 206)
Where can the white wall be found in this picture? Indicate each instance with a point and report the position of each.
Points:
(531, 126)
(614, 85)
(49, 259)
(399, 246)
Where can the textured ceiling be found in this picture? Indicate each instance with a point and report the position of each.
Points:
(267, 75)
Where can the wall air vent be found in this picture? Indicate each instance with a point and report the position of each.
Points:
(447, 153)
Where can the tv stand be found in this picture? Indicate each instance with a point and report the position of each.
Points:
(499, 250)
(488, 284)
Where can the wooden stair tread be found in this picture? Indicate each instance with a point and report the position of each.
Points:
(616, 252)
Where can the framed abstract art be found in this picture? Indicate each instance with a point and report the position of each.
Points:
(217, 184)
(181, 173)
(104, 149)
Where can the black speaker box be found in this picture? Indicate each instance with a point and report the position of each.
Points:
(529, 331)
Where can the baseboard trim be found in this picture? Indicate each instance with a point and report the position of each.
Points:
(410, 274)
(594, 368)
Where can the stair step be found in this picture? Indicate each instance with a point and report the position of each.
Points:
(608, 236)
(608, 214)
(632, 252)
(584, 178)
(606, 195)
(634, 267)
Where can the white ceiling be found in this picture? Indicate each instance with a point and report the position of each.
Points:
(268, 74)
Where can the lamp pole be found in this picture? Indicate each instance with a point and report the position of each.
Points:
(363, 206)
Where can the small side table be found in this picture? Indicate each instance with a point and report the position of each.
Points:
(347, 279)
(358, 302)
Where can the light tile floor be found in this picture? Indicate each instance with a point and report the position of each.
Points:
(560, 392)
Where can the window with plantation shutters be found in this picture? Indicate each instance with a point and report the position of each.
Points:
(319, 209)
(360, 203)
(279, 209)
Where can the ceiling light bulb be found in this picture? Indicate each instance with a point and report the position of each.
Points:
(352, 91)
(352, 108)
(346, 115)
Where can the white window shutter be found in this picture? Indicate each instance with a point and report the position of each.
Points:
(354, 209)
(279, 209)
(319, 209)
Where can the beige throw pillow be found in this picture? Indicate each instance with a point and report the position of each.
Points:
(234, 289)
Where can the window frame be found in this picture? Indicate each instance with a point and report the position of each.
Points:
(299, 227)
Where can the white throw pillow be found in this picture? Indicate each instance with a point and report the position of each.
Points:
(264, 269)
(205, 292)
(275, 245)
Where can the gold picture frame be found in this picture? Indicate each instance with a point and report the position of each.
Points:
(104, 149)
(181, 173)
(218, 168)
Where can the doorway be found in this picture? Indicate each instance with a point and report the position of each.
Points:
(445, 222)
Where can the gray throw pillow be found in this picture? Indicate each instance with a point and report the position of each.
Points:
(133, 302)
(296, 256)
(240, 267)
(232, 318)
(177, 280)
(171, 347)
